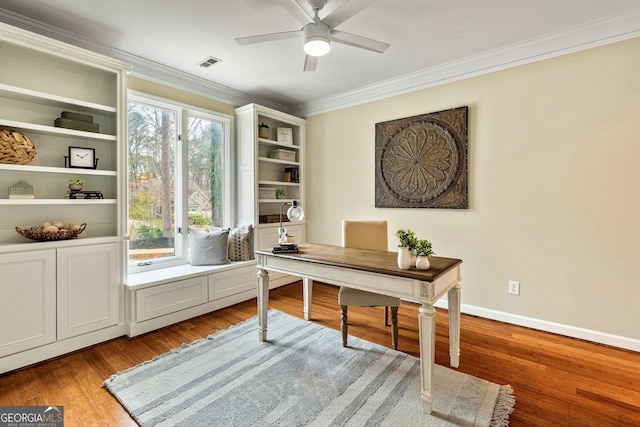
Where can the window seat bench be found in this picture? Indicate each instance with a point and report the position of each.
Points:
(161, 297)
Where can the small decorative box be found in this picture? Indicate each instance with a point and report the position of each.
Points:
(267, 193)
(280, 154)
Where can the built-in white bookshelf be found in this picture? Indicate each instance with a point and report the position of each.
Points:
(60, 295)
(41, 78)
(259, 172)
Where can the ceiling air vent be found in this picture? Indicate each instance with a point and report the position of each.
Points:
(208, 62)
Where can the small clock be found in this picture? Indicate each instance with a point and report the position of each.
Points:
(80, 157)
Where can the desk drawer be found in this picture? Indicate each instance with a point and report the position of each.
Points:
(170, 297)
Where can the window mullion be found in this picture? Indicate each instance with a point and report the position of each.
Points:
(182, 182)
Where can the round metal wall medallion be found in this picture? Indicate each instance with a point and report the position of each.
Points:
(420, 162)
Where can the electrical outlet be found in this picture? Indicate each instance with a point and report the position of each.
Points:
(514, 287)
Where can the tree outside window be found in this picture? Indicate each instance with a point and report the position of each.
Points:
(175, 182)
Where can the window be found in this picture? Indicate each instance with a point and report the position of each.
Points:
(179, 178)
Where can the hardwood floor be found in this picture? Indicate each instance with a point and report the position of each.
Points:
(558, 381)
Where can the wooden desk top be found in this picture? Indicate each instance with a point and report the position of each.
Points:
(365, 260)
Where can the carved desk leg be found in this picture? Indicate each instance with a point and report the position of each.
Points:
(427, 330)
(453, 297)
(263, 303)
(307, 291)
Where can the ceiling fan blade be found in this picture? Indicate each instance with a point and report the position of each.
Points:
(358, 41)
(262, 38)
(310, 63)
(346, 11)
(297, 11)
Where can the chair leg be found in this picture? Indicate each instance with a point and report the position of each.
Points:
(386, 316)
(343, 324)
(394, 327)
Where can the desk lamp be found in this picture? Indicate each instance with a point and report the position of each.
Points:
(294, 213)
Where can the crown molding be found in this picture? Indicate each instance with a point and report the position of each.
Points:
(142, 67)
(597, 33)
(35, 41)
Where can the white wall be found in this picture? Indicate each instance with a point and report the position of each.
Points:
(554, 175)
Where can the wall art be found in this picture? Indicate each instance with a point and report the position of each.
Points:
(421, 161)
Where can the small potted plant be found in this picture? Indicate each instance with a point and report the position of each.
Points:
(406, 245)
(75, 184)
(423, 250)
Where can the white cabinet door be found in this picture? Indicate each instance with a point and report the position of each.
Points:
(88, 289)
(27, 300)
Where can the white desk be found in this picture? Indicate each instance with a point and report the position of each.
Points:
(373, 271)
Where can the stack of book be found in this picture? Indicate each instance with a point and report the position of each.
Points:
(285, 249)
(84, 195)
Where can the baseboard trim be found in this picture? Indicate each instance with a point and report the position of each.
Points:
(543, 325)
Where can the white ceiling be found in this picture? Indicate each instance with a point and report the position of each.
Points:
(432, 41)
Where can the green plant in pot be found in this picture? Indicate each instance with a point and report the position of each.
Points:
(75, 184)
(407, 243)
(423, 249)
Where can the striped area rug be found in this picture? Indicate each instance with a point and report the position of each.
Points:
(301, 377)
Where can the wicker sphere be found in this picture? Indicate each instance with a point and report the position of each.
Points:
(15, 147)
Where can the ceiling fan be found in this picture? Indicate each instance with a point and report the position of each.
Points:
(319, 33)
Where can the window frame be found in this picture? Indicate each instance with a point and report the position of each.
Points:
(181, 221)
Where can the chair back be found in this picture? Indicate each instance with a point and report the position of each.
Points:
(369, 234)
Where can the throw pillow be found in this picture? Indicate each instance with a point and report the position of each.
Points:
(210, 248)
(241, 243)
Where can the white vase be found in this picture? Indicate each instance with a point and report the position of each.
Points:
(423, 263)
(413, 260)
(404, 258)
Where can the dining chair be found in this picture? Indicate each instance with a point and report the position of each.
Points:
(367, 234)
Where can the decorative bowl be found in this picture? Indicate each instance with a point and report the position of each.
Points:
(37, 233)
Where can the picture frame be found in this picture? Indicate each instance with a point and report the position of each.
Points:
(285, 135)
(81, 158)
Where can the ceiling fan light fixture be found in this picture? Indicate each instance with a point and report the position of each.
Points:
(316, 39)
(317, 46)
